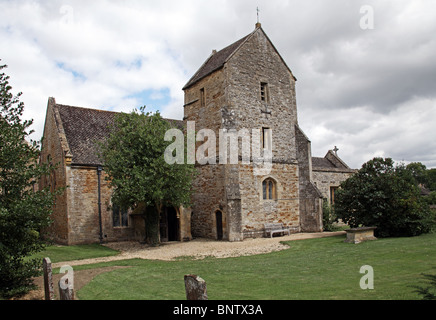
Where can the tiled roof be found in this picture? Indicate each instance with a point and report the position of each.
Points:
(83, 127)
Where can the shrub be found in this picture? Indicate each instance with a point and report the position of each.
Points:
(385, 197)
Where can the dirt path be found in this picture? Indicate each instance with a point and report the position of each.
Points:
(198, 248)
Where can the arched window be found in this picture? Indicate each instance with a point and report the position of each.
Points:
(269, 189)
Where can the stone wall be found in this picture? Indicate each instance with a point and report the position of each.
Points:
(325, 179)
(256, 211)
(55, 150)
(83, 214)
(208, 198)
(254, 63)
(310, 197)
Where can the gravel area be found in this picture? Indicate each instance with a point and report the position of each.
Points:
(199, 248)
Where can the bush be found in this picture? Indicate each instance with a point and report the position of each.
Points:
(385, 197)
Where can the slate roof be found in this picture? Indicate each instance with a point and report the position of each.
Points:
(215, 62)
(83, 127)
(322, 163)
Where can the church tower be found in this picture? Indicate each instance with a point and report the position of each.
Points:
(248, 86)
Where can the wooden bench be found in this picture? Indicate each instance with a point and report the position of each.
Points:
(358, 235)
(272, 228)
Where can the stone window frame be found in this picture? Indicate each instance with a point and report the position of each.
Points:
(269, 189)
(332, 194)
(123, 223)
(264, 92)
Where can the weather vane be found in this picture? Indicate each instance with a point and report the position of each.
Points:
(257, 10)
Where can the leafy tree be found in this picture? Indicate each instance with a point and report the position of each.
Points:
(133, 157)
(24, 211)
(419, 172)
(386, 197)
(431, 179)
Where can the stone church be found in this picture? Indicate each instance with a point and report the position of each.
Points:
(245, 85)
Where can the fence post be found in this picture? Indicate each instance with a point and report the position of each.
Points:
(195, 288)
(66, 291)
(66, 283)
(48, 279)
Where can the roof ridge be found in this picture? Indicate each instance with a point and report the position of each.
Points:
(86, 108)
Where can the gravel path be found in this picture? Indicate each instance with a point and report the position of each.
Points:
(199, 248)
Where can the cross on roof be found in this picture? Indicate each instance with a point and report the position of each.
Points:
(335, 150)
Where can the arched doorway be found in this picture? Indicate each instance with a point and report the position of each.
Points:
(219, 225)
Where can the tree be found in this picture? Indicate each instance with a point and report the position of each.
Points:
(431, 179)
(386, 197)
(23, 210)
(133, 157)
(419, 172)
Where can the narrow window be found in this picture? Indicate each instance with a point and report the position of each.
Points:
(264, 92)
(333, 191)
(202, 98)
(269, 189)
(267, 138)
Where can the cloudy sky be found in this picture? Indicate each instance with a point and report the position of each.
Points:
(366, 69)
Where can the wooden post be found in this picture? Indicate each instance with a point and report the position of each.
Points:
(66, 284)
(48, 279)
(66, 291)
(195, 288)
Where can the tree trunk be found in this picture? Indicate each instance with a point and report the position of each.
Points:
(152, 225)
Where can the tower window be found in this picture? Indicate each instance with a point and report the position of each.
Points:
(264, 94)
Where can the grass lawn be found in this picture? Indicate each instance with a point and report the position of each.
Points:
(79, 252)
(324, 268)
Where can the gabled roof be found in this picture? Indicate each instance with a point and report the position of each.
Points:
(217, 59)
(215, 62)
(331, 162)
(83, 127)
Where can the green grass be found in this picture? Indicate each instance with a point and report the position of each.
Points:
(78, 252)
(324, 268)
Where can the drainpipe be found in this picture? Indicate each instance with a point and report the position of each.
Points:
(99, 204)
